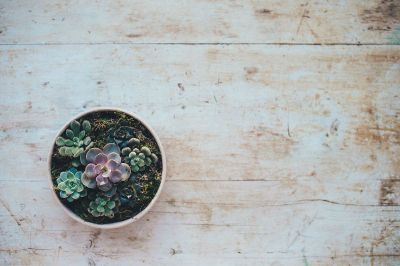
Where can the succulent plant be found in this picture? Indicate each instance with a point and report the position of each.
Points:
(125, 151)
(76, 140)
(105, 167)
(133, 141)
(102, 206)
(140, 159)
(127, 192)
(120, 134)
(70, 185)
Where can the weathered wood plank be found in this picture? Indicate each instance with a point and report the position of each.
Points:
(205, 21)
(207, 227)
(337, 114)
(276, 155)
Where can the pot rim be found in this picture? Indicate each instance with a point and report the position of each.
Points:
(137, 216)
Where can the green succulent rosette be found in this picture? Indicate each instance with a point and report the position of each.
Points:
(102, 206)
(70, 186)
(140, 159)
(75, 140)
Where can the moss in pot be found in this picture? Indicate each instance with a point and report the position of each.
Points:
(107, 168)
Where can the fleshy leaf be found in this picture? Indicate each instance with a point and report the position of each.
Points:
(91, 171)
(91, 144)
(67, 190)
(111, 147)
(125, 151)
(86, 141)
(100, 158)
(114, 156)
(69, 133)
(75, 126)
(68, 142)
(86, 126)
(62, 186)
(88, 182)
(80, 188)
(125, 171)
(78, 152)
(111, 204)
(103, 202)
(62, 151)
(63, 176)
(70, 175)
(69, 151)
(112, 165)
(60, 141)
(82, 159)
(133, 141)
(91, 154)
(154, 158)
(101, 180)
(148, 161)
(145, 150)
(73, 170)
(81, 134)
(115, 176)
(141, 163)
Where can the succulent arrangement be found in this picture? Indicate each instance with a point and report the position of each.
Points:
(105, 166)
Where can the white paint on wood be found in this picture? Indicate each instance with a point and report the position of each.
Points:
(198, 21)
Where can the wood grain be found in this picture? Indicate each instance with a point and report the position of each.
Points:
(200, 21)
(280, 155)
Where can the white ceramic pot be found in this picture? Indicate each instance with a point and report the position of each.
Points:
(137, 216)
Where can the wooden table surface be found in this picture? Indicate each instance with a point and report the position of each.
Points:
(280, 121)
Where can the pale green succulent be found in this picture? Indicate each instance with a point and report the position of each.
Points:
(140, 159)
(70, 185)
(125, 151)
(76, 140)
(102, 206)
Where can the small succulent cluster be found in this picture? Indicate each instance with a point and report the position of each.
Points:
(121, 134)
(140, 159)
(76, 139)
(106, 181)
(70, 186)
(102, 206)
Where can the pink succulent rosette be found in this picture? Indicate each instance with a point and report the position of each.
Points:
(105, 168)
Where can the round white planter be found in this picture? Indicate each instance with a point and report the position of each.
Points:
(137, 216)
